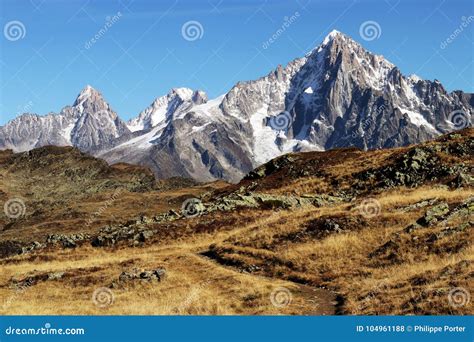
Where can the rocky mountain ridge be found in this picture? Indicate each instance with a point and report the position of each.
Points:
(338, 95)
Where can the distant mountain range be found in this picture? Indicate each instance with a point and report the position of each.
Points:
(338, 95)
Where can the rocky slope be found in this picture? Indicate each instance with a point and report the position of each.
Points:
(336, 96)
(292, 237)
(53, 190)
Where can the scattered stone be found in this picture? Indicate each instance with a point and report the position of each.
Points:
(418, 165)
(267, 201)
(420, 204)
(31, 247)
(411, 228)
(251, 269)
(156, 275)
(31, 280)
(133, 232)
(55, 275)
(462, 180)
(442, 213)
(173, 213)
(449, 231)
(324, 227)
(465, 209)
(271, 167)
(143, 236)
(12, 247)
(433, 214)
(66, 241)
(102, 241)
(320, 228)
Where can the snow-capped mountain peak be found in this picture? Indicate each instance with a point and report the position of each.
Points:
(331, 35)
(164, 107)
(337, 95)
(90, 122)
(87, 91)
(91, 100)
(86, 94)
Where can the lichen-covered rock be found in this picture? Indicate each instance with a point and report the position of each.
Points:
(420, 204)
(66, 241)
(270, 167)
(155, 275)
(268, 201)
(433, 214)
(422, 164)
(463, 180)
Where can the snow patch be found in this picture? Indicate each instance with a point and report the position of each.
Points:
(66, 133)
(264, 148)
(330, 36)
(414, 78)
(417, 119)
(200, 128)
(184, 93)
(208, 109)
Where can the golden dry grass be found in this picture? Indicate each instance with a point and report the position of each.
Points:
(193, 285)
(198, 285)
(329, 259)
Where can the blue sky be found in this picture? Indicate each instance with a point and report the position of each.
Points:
(143, 54)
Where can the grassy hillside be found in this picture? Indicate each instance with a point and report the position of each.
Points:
(337, 232)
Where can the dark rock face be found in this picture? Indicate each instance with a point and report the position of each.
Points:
(360, 99)
(337, 96)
